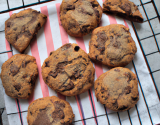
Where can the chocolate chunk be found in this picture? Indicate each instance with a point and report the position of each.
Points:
(53, 74)
(42, 119)
(85, 28)
(127, 74)
(94, 5)
(8, 24)
(25, 76)
(57, 115)
(24, 63)
(14, 69)
(76, 48)
(65, 47)
(101, 38)
(127, 90)
(134, 98)
(47, 64)
(126, 7)
(70, 7)
(122, 108)
(117, 70)
(17, 87)
(59, 104)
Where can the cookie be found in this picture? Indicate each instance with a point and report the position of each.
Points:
(18, 75)
(21, 27)
(50, 111)
(117, 89)
(68, 70)
(123, 8)
(112, 45)
(80, 17)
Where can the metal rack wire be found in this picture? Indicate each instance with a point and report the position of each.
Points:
(154, 35)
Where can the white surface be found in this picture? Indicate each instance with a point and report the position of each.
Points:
(147, 84)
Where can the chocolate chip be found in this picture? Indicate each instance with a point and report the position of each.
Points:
(47, 64)
(15, 29)
(84, 29)
(75, 1)
(17, 87)
(24, 63)
(94, 4)
(29, 94)
(14, 69)
(76, 48)
(65, 47)
(70, 7)
(134, 98)
(51, 53)
(122, 108)
(117, 70)
(31, 113)
(25, 76)
(127, 90)
(126, 7)
(128, 74)
(101, 49)
(53, 74)
(8, 24)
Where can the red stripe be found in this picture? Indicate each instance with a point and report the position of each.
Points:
(35, 53)
(126, 24)
(79, 108)
(47, 31)
(80, 43)
(112, 19)
(64, 35)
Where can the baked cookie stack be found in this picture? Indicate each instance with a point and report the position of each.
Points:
(69, 70)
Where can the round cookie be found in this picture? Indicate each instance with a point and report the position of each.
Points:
(117, 89)
(112, 45)
(68, 70)
(18, 75)
(50, 111)
(80, 17)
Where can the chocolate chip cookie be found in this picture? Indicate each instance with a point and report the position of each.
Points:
(117, 89)
(80, 17)
(123, 8)
(50, 111)
(112, 45)
(18, 75)
(21, 27)
(68, 70)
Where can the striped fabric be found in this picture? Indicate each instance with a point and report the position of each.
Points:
(85, 106)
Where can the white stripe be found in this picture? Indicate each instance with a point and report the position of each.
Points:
(14, 119)
(74, 106)
(56, 36)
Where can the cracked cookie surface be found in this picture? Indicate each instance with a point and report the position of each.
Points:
(80, 17)
(18, 75)
(123, 8)
(68, 70)
(112, 45)
(50, 111)
(21, 27)
(117, 89)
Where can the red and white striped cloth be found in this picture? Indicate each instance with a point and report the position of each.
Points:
(85, 106)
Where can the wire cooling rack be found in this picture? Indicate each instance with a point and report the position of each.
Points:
(148, 38)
